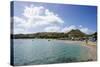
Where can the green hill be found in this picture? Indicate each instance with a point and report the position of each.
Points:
(55, 35)
(76, 33)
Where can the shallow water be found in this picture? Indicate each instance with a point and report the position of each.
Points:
(42, 51)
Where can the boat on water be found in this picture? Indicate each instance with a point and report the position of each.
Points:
(48, 40)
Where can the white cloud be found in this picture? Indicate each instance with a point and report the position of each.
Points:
(47, 12)
(52, 29)
(86, 30)
(18, 20)
(67, 29)
(19, 30)
(35, 17)
(32, 11)
(80, 27)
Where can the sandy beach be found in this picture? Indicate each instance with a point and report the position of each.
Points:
(92, 46)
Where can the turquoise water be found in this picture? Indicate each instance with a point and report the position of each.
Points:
(42, 51)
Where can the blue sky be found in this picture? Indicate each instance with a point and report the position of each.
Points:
(30, 17)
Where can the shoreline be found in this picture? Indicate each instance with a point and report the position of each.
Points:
(92, 46)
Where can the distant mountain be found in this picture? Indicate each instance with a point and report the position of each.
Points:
(76, 33)
(55, 35)
(41, 35)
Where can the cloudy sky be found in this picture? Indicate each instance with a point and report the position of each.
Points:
(32, 17)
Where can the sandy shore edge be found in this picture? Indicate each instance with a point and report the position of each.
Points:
(92, 46)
